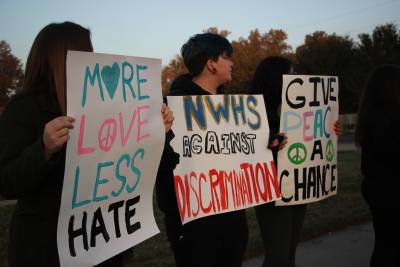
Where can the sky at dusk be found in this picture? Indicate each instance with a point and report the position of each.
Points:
(155, 28)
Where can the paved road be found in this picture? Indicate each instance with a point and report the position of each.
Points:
(350, 247)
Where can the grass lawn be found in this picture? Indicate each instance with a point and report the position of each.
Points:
(344, 209)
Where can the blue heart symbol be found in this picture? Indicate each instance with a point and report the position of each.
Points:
(110, 77)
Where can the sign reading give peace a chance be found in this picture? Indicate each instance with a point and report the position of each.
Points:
(308, 163)
(112, 156)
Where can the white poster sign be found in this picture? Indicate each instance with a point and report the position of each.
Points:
(112, 156)
(308, 163)
(224, 161)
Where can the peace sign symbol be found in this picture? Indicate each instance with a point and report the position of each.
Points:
(107, 134)
(297, 153)
(330, 151)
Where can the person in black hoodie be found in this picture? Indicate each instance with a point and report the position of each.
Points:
(34, 130)
(218, 240)
(377, 133)
(280, 226)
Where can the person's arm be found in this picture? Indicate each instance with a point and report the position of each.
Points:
(26, 156)
(168, 117)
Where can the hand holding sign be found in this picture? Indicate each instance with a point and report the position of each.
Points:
(168, 117)
(307, 167)
(56, 134)
(112, 156)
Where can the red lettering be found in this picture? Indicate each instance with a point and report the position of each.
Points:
(224, 191)
(180, 191)
(228, 179)
(272, 178)
(267, 190)
(193, 175)
(205, 210)
(141, 137)
(107, 134)
(214, 183)
(187, 191)
(124, 138)
(239, 193)
(249, 191)
(83, 150)
(245, 167)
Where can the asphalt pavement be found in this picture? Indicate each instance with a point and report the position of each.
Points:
(350, 247)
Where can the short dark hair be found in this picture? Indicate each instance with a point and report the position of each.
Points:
(202, 47)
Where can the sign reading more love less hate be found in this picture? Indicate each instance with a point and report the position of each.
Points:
(112, 156)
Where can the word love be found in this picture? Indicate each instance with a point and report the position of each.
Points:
(242, 108)
(111, 76)
(113, 128)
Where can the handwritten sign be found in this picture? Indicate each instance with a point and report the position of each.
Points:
(224, 161)
(112, 156)
(308, 163)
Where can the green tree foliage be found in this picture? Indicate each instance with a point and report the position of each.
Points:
(248, 52)
(175, 68)
(331, 54)
(10, 73)
(382, 47)
(321, 54)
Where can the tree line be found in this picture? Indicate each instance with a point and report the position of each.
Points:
(320, 54)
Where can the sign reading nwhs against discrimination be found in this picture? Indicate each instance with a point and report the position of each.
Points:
(224, 161)
(308, 163)
(112, 156)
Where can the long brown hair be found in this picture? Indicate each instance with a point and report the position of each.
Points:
(46, 65)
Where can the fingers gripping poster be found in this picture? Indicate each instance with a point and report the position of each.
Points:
(224, 161)
(308, 163)
(112, 156)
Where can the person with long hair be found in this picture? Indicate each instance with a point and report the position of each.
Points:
(378, 135)
(280, 226)
(34, 130)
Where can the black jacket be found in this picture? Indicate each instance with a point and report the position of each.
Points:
(26, 175)
(379, 158)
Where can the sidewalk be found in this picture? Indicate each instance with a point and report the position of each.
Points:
(350, 247)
